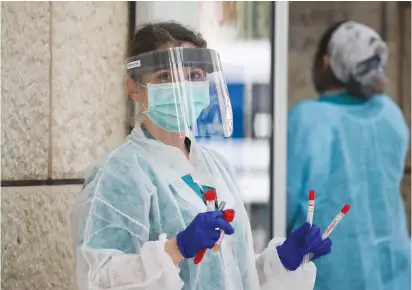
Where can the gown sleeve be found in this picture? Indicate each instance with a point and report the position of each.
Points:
(110, 226)
(272, 274)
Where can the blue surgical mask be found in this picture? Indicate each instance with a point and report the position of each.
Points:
(165, 108)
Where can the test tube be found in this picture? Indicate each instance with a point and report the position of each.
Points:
(228, 216)
(309, 218)
(222, 205)
(210, 197)
(333, 224)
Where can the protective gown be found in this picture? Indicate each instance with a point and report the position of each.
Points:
(136, 199)
(352, 151)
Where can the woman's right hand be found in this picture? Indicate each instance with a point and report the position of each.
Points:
(202, 233)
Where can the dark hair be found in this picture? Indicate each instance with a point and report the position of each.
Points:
(152, 36)
(324, 79)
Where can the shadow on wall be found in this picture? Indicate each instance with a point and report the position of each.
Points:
(37, 250)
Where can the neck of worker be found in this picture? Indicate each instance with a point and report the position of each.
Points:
(175, 139)
(333, 90)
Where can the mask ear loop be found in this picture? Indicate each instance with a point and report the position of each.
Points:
(141, 104)
(140, 109)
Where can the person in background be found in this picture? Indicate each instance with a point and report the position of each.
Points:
(350, 146)
(141, 216)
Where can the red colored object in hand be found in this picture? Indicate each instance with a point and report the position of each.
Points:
(229, 216)
(199, 256)
(210, 195)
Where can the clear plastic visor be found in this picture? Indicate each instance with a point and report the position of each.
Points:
(183, 90)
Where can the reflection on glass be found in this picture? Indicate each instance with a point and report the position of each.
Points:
(253, 19)
(241, 27)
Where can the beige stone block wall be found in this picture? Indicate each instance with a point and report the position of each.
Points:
(63, 106)
(62, 80)
(25, 89)
(89, 41)
(36, 246)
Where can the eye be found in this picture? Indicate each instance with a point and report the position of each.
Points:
(194, 76)
(164, 77)
(197, 75)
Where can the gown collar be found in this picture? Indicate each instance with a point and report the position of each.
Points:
(341, 98)
(171, 162)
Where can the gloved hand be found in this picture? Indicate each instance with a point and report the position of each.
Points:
(201, 233)
(323, 249)
(300, 242)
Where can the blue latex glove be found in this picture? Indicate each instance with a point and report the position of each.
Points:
(202, 233)
(300, 242)
(322, 250)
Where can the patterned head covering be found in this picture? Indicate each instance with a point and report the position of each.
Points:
(357, 55)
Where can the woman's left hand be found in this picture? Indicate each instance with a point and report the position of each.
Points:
(305, 240)
(323, 249)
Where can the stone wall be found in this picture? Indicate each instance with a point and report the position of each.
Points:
(63, 106)
(25, 90)
(62, 80)
(36, 244)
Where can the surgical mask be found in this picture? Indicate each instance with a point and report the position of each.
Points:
(165, 108)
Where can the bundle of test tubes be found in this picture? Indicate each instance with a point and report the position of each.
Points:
(228, 215)
(330, 228)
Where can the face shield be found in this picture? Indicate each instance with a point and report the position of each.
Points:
(184, 90)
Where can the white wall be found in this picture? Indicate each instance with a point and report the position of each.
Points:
(185, 12)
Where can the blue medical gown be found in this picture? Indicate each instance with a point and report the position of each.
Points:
(136, 198)
(352, 151)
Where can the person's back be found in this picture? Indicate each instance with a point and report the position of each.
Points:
(352, 150)
(363, 167)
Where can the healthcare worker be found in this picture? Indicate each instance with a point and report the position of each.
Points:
(141, 216)
(350, 146)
